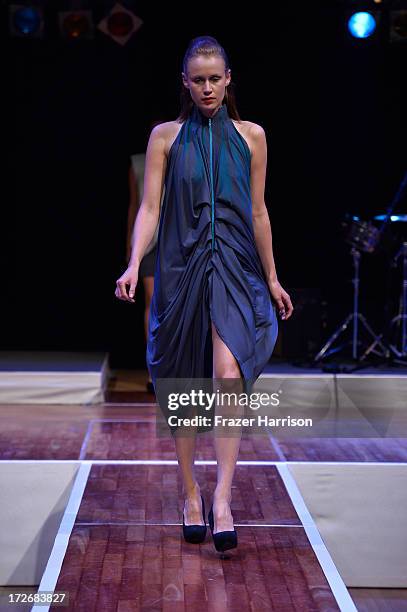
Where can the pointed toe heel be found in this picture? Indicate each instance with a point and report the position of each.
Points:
(223, 540)
(194, 534)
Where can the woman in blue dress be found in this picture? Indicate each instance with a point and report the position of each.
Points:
(216, 291)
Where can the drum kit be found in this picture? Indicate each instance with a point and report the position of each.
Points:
(366, 237)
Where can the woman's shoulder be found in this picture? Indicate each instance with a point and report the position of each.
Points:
(168, 131)
(251, 129)
(251, 132)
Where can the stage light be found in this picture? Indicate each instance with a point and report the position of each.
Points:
(120, 24)
(398, 26)
(361, 25)
(26, 21)
(76, 24)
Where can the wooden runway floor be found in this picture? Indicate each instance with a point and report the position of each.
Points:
(127, 543)
(126, 551)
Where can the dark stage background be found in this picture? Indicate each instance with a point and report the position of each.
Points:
(333, 109)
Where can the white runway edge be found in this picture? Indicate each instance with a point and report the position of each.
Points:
(53, 568)
(335, 581)
(197, 462)
(331, 375)
(134, 523)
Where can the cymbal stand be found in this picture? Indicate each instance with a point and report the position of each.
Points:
(401, 318)
(354, 317)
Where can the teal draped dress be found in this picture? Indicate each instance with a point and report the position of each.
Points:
(208, 267)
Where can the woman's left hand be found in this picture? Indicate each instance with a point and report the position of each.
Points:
(282, 299)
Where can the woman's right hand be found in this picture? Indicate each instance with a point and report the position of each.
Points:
(129, 277)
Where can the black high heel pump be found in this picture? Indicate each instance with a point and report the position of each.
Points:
(223, 540)
(194, 534)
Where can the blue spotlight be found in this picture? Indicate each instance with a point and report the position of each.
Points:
(27, 20)
(361, 25)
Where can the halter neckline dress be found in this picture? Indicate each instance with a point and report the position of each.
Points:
(207, 267)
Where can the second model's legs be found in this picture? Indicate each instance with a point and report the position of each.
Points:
(148, 282)
(225, 367)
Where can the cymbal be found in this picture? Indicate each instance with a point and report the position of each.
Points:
(393, 218)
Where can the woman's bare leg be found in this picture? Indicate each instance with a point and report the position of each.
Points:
(185, 449)
(227, 448)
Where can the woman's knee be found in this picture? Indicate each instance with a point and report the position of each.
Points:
(227, 370)
(224, 362)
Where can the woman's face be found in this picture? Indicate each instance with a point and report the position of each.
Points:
(207, 79)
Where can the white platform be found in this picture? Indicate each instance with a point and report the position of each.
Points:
(52, 377)
(34, 497)
(360, 510)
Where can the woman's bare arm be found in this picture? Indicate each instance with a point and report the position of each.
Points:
(261, 220)
(149, 211)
